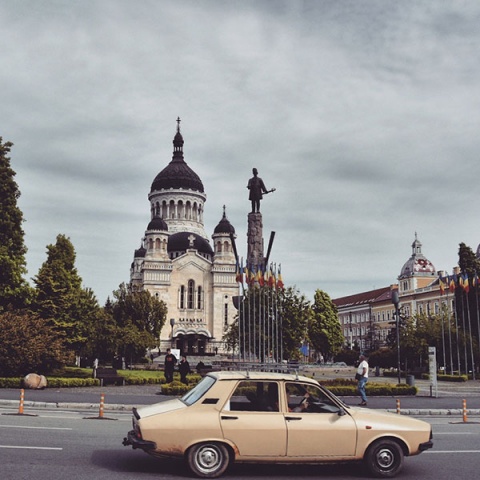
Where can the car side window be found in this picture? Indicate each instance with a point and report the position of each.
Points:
(255, 396)
(306, 398)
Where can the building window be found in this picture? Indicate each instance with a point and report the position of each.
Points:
(225, 314)
(190, 294)
(182, 296)
(199, 298)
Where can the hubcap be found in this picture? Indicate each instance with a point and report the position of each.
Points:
(208, 458)
(385, 458)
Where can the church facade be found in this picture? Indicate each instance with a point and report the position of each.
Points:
(178, 264)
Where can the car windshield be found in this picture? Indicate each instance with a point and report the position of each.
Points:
(198, 391)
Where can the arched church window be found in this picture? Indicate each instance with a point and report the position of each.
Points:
(157, 244)
(182, 297)
(195, 212)
(188, 211)
(164, 209)
(172, 209)
(225, 247)
(150, 244)
(190, 294)
(199, 298)
(157, 209)
(180, 210)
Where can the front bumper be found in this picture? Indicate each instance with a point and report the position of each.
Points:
(135, 442)
(425, 446)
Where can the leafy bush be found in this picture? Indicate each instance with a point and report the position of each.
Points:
(175, 388)
(29, 344)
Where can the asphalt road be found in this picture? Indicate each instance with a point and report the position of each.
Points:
(66, 444)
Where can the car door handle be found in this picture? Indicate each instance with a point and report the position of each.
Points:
(224, 417)
(293, 418)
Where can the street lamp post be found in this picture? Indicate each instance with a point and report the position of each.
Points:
(172, 323)
(396, 302)
(351, 332)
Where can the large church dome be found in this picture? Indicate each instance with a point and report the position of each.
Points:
(177, 174)
(417, 264)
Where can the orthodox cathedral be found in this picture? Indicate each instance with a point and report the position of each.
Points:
(177, 263)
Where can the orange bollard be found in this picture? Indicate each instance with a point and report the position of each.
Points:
(398, 406)
(102, 403)
(465, 419)
(22, 399)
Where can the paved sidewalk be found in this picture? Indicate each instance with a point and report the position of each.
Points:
(448, 402)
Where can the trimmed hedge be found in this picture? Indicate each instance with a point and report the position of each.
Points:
(176, 388)
(374, 390)
(11, 382)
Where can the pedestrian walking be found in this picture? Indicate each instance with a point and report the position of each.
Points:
(362, 377)
(184, 369)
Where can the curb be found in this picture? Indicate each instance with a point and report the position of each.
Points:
(439, 412)
(67, 406)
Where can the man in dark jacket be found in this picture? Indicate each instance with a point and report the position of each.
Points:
(170, 362)
(184, 369)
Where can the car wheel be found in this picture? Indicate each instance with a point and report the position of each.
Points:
(384, 458)
(208, 460)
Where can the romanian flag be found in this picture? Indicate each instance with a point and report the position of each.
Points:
(260, 276)
(452, 283)
(279, 279)
(271, 277)
(441, 283)
(475, 280)
(239, 275)
(247, 274)
(465, 284)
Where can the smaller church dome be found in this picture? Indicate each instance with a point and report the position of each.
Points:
(140, 253)
(417, 264)
(224, 226)
(158, 223)
(183, 241)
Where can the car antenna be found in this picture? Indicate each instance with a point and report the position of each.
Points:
(248, 373)
(296, 374)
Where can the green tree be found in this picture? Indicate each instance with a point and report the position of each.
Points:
(467, 299)
(139, 318)
(61, 298)
(14, 290)
(296, 313)
(324, 330)
(29, 344)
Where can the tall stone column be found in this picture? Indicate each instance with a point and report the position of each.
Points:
(255, 256)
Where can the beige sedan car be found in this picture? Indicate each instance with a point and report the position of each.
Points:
(261, 417)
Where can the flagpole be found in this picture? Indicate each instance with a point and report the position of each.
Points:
(449, 319)
(467, 289)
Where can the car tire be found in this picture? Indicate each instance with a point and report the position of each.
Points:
(384, 458)
(208, 459)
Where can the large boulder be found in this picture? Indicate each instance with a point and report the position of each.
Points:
(34, 381)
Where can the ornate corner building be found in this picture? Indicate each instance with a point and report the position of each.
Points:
(368, 317)
(177, 264)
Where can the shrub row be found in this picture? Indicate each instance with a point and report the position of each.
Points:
(449, 378)
(374, 390)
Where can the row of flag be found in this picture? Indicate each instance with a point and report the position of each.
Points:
(451, 282)
(264, 276)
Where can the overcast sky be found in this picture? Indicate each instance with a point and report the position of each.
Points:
(364, 115)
